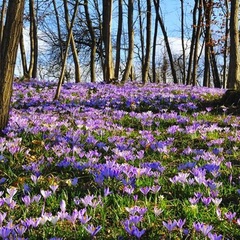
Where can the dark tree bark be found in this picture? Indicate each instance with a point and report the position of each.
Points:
(131, 42)
(8, 54)
(119, 36)
(142, 41)
(73, 44)
(215, 73)
(154, 74)
(60, 81)
(208, 13)
(107, 40)
(191, 53)
(93, 42)
(195, 43)
(3, 10)
(174, 75)
(148, 43)
(183, 42)
(225, 45)
(234, 64)
(33, 41)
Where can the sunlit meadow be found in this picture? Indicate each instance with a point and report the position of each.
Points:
(119, 162)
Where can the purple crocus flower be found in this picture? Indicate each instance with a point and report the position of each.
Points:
(137, 233)
(72, 218)
(3, 180)
(20, 230)
(54, 188)
(2, 217)
(36, 198)
(5, 232)
(155, 188)
(128, 189)
(214, 236)
(107, 192)
(132, 229)
(135, 219)
(136, 209)
(92, 230)
(84, 218)
(87, 200)
(206, 200)
(170, 225)
(230, 216)
(27, 200)
(217, 201)
(180, 223)
(206, 229)
(74, 181)
(46, 193)
(63, 205)
(34, 179)
(144, 190)
(157, 211)
(193, 200)
(11, 191)
(197, 226)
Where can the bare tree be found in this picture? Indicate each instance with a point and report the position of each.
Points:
(225, 50)
(208, 13)
(60, 81)
(155, 35)
(119, 36)
(234, 64)
(148, 42)
(72, 43)
(3, 10)
(107, 40)
(31, 70)
(157, 7)
(8, 54)
(130, 42)
(183, 42)
(93, 41)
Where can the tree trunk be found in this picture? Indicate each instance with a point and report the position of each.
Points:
(226, 45)
(60, 41)
(154, 75)
(234, 64)
(8, 54)
(216, 78)
(191, 53)
(142, 45)
(107, 26)
(23, 56)
(3, 10)
(128, 68)
(183, 42)
(119, 36)
(73, 45)
(148, 43)
(33, 42)
(174, 75)
(93, 42)
(60, 81)
(196, 42)
(208, 13)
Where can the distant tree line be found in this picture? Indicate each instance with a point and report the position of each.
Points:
(119, 41)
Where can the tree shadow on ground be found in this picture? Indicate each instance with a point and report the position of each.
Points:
(229, 103)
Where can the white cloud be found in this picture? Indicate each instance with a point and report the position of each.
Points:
(175, 45)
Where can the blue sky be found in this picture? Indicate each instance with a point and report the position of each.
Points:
(171, 13)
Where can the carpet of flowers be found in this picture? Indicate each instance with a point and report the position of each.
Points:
(119, 162)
